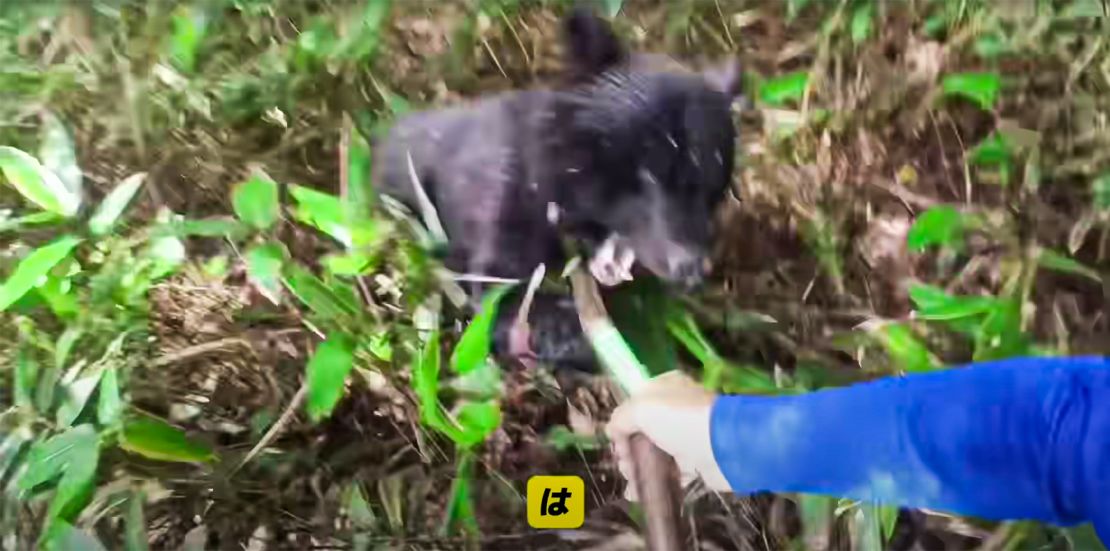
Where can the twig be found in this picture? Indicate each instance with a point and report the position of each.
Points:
(655, 473)
(724, 23)
(286, 415)
(520, 334)
(344, 158)
(190, 352)
(967, 167)
(943, 155)
(493, 56)
(516, 37)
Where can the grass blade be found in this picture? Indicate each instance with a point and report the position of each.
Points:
(58, 154)
(264, 264)
(1060, 262)
(980, 88)
(155, 439)
(780, 90)
(942, 225)
(32, 269)
(908, 353)
(255, 201)
(37, 183)
(473, 347)
(327, 374)
(113, 205)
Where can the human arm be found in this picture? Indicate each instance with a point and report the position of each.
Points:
(1021, 438)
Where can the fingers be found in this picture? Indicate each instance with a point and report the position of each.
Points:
(647, 413)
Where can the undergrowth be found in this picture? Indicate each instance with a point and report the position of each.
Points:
(218, 337)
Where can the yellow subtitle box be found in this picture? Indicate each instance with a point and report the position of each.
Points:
(556, 502)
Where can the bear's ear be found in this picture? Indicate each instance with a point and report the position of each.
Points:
(727, 78)
(592, 46)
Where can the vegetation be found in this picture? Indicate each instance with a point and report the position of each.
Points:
(217, 338)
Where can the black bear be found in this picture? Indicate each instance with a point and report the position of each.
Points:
(629, 159)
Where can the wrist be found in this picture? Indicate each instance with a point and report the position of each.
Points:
(710, 470)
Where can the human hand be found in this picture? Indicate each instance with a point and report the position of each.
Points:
(673, 411)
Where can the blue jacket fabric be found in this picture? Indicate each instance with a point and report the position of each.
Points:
(1024, 438)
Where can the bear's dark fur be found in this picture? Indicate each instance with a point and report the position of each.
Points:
(630, 148)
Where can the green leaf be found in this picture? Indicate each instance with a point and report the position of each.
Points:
(33, 219)
(72, 450)
(72, 454)
(816, 513)
(113, 205)
(473, 347)
(612, 7)
(155, 439)
(59, 294)
(380, 346)
(168, 253)
(460, 504)
(58, 155)
(780, 90)
(315, 294)
(189, 26)
(256, 201)
(26, 375)
(1060, 262)
(65, 537)
(317, 208)
(75, 396)
(11, 449)
(64, 344)
(362, 42)
(981, 88)
(1000, 336)
(934, 303)
(941, 225)
(425, 379)
(861, 22)
(1100, 192)
(327, 213)
(991, 45)
(867, 533)
(74, 490)
(935, 25)
(477, 421)
(317, 42)
(33, 269)
(134, 535)
(109, 405)
(483, 382)
(908, 353)
(994, 150)
(635, 310)
(327, 373)
(264, 264)
(562, 439)
(216, 266)
(888, 520)
(220, 226)
(347, 264)
(718, 373)
(359, 161)
(1084, 537)
(36, 183)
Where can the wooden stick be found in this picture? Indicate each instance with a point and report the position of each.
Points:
(657, 477)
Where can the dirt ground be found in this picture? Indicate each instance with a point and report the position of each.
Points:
(814, 239)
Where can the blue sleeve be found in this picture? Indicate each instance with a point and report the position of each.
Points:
(1015, 439)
